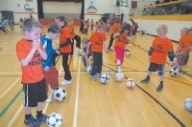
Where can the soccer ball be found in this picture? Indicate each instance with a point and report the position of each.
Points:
(89, 69)
(188, 104)
(59, 94)
(54, 120)
(174, 71)
(119, 76)
(130, 83)
(128, 53)
(104, 78)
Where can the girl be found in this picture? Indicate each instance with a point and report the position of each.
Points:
(122, 38)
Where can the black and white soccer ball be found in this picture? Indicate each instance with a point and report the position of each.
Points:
(104, 78)
(54, 120)
(130, 83)
(174, 71)
(60, 94)
(119, 76)
(188, 104)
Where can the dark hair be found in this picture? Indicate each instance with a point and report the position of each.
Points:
(126, 26)
(62, 19)
(29, 24)
(54, 28)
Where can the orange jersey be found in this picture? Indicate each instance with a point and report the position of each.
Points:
(161, 48)
(65, 33)
(116, 27)
(190, 39)
(72, 31)
(32, 72)
(97, 39)
(184, 44)
(121, 41)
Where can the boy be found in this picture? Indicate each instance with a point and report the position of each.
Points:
(30, 53)
(182, 53)
(98, 39)
(157, 55)
(50, 72)
(65, 48)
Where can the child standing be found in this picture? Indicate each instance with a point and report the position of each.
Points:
(122, 39)
(86, 52)
(30, 52)
(162, 46)
(183, 49)
(50, 72)
(98, 39)
(92, 24)
(65, 48)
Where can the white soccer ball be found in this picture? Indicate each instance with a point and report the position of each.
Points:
(130, 83)
(128, 53)
(104, 78)
(174, 71)
(59, 94)
(54, 120)
(188, 104)
(119, 76)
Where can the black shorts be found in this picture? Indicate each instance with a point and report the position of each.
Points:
(34, 93)
(160, 68)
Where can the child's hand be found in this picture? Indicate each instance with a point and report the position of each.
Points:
(46, 68)
(36, 44)
(58, 52)
(107, 50)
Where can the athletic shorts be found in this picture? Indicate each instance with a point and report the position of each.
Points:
(34, 93)
(160, 68)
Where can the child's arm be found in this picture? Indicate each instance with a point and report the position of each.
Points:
(105, 47)
(150, 52)
(39, 49)
(68, 42)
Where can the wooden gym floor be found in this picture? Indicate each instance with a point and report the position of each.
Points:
(90, 104)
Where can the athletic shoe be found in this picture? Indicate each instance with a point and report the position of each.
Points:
(160, 88)
(42, 118)
(32, 122)
(66, 82)
(146, 80)
(118, 68)
(94, 77)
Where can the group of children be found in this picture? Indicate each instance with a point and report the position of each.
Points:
(35, 54)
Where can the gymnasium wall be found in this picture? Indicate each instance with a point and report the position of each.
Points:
(174, 22)
(17, 6)
(68, 9)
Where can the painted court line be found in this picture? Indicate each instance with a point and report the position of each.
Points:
(15, 116)
(77, 97)
(9, 87)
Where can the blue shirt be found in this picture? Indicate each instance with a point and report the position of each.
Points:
(47, 44)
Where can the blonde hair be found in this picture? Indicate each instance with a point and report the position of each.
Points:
(162, 27)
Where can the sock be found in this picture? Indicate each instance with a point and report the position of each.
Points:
(161, 82)
(27, 116)
(118, 62)
(39, 113)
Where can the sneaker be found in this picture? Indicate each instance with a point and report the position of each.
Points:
(146, 80)
(66, 82)
(118, 69)
(42, 118)
(160, 88)
(32, 122)
(94, 77)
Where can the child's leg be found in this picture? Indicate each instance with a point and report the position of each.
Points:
(110, 42)
(152, 67)
(100, 62)
(161, 71)
(72, 47)
(78, 39)
(54, 78)
(84, 59)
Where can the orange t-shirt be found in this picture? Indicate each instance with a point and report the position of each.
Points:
(33, 72)
(184, 44)
(72, 31)
(190, 40)
(116, 27)
(119, 42)
(97, 39)
(65, 33)
(161, 48)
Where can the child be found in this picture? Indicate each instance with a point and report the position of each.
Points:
(86, 52)
(97, 43)
(85, 27)
(122, 39)
(92, 24)
(183, 49)
(96, 25)
(50, 72)
(30, 52)
(116, 27)
(108, 26)
(65, 48)
(162, 46)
